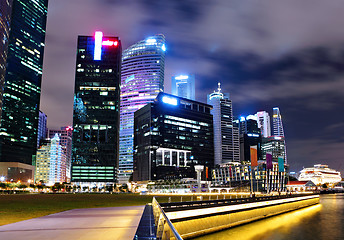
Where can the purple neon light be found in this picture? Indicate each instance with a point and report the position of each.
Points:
(98, 40)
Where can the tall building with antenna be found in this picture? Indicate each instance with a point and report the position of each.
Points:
(226, 136)
(143, 66)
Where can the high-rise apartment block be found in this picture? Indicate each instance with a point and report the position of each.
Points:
(51, 162)
(184, 86)
(65, 134)
(172, 134)
(226, 135)
(263, 120)
(22, 81)
(142, 79)
(42, 127)
(96, 109)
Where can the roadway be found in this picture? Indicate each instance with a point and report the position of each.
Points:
(78, 224)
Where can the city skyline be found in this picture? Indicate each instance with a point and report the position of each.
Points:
(263, 59)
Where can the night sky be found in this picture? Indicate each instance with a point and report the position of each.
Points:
(265, 53)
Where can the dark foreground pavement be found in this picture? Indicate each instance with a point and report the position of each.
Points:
(84, 224)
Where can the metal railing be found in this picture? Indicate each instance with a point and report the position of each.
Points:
(179, 206)
(164, 227)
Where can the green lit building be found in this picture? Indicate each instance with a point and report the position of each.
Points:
(22, 81)
(96, 110)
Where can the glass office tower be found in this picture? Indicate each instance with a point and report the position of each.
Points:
(143, 67)
(22, 83)
(172, 135)
(184, 86)
(96, 109)
(5, 20)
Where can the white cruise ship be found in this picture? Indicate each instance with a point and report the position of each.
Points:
(320, 174)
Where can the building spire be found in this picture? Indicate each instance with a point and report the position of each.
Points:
(219, 87)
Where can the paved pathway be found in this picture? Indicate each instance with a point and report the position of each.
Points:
(84, 224)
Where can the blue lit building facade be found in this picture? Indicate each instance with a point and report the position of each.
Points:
(173, 134)
(22, 82)
(226, 135)
(142, 79)
(184, 86)
(96, 109)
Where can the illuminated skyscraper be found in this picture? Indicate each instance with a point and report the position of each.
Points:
(142, 79)
(51, 162)
(184, 86)
(250, 135)
(42, 127)
(278, 130)
(263, 120)
(172, 135)
(5, 20)
(226, 136)
(277, 123)
(22, 83)
(96, 110)
(65, 134)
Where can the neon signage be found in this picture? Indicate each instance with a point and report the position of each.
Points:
(98, 39)
(98, 43)
(109, 43)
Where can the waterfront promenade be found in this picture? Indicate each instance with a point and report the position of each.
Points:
(115, 223)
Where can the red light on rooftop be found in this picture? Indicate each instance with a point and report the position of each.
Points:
(69, 128)
(109, 43)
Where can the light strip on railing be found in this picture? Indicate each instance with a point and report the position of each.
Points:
(169, 223)
(212, 210)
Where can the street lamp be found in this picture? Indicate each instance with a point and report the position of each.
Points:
(199, 170)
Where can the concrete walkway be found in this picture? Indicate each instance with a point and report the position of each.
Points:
(84, 224)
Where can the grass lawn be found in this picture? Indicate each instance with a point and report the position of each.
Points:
(18, 207)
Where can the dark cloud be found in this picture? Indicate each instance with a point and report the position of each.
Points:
(265, 53)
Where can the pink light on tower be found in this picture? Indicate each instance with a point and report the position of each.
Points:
(109, 43)
(98, 40)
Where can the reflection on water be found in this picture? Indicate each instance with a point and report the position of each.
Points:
(322, 221)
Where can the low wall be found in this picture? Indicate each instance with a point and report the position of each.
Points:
(196, 222)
